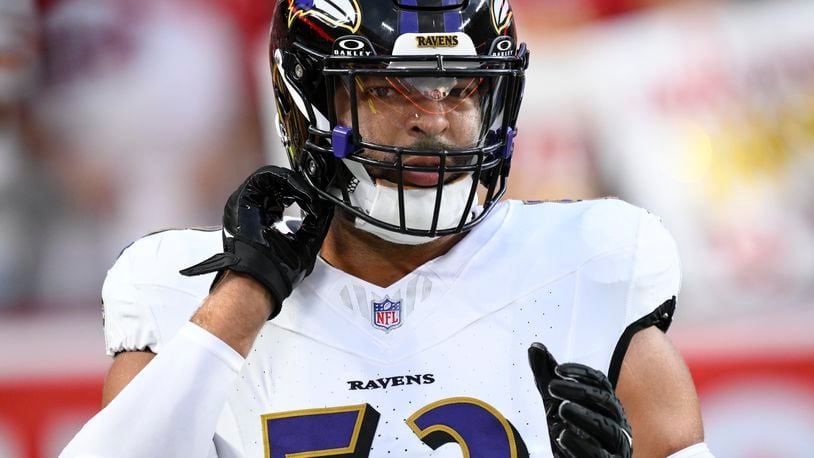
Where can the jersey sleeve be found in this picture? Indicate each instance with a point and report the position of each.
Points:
(654, 287)
(627, 282)
(656, 273)
(145, 300)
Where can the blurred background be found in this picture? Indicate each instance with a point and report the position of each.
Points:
(122, 117)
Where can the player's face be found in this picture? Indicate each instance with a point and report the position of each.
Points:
(417, 112)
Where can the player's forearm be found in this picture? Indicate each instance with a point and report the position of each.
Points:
(171, 408)
(235, 311)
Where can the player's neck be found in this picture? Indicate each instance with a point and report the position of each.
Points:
(374, 260)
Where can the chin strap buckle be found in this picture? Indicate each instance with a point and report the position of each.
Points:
(341, 141)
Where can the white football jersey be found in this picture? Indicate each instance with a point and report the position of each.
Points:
(435, 364)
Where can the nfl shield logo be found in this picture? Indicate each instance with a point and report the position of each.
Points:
(386, 314)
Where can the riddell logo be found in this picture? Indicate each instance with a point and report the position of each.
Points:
(437, 41)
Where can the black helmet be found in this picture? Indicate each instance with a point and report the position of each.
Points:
(396, 110)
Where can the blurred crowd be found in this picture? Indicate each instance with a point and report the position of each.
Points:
(118, 118)
(122, 117)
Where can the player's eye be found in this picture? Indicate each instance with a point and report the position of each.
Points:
(464, 89)
(457, 92)
(381, 91)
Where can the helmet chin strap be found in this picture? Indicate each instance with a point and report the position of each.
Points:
(380, 200)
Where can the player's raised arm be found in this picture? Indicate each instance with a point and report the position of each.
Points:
(171, 408)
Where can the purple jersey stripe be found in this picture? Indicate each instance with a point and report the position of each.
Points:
(408, 20)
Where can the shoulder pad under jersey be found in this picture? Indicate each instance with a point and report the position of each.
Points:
(144, 297)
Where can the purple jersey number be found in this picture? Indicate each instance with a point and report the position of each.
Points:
(335, 431)
(478, 428)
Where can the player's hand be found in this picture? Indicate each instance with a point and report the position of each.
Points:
(585, 418)
(254, 246)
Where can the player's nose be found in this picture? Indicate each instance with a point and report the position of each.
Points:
(427, 124)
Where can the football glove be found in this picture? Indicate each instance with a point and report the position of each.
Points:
(254, 246)
(585, 418)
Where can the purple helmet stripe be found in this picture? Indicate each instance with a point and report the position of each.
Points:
(408, 20)
(452, 19)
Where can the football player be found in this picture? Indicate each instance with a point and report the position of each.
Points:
(398, 317)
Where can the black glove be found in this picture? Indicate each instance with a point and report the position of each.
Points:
(585, 418)
(251, 243)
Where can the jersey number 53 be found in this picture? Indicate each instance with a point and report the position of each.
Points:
(478, 428)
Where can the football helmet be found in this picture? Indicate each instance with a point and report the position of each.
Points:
(398, 110)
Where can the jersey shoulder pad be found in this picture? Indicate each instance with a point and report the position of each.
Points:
(604, 241)
(145, 299)
(627, 244)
